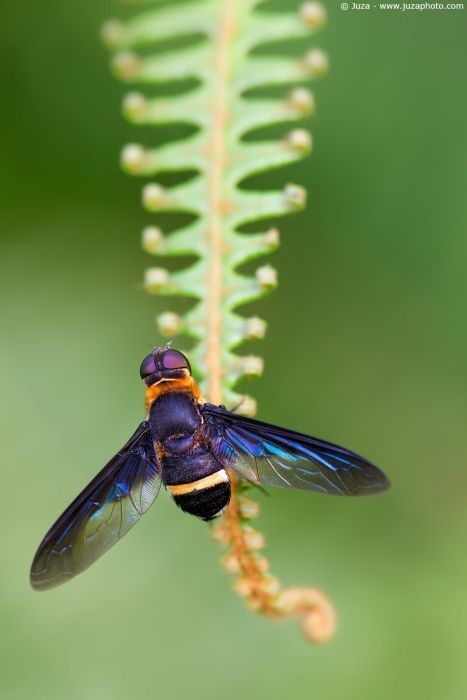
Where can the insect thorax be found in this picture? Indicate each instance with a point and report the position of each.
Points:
(191, 473)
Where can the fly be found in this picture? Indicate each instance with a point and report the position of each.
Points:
(191, 447)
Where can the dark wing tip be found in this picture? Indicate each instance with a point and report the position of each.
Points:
(136, 466)
(374, 481)
(37, 583)
(39, 578)
(37, 575)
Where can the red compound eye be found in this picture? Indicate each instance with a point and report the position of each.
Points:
(148, 367)
(173, 359)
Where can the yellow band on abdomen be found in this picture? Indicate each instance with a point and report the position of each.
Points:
(204, 483)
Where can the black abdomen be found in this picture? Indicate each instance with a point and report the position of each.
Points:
(196, 480)
(206, 503)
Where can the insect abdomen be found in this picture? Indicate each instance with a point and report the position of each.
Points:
(193, 476)
(206, 498)
(196, 482)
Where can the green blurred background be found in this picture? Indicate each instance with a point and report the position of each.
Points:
(371, 313)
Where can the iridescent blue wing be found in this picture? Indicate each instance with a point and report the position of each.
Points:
(102, 513)
(267, 454)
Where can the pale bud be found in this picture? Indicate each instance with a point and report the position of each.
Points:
(313, 14)
(243, 587)
(152, 239)
(155, 278)
(112, 32)
(316, 62)
(169, 323)
(132, 158)
(230, 563)
(262, 564)
(255, 328)
(271, 237)
(300, 140)
(252, 365)
(248, 406)
(302, 100)
(270, 585)
(266, 277)
(253, 539)
(153, 196)
(254, 604)
(248, 509)
(134, 106)
(295, 196)
(125, 65)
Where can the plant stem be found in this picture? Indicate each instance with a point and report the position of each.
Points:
(216, 203)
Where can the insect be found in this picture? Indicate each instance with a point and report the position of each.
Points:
(190, 446)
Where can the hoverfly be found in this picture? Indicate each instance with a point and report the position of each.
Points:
(190, 446)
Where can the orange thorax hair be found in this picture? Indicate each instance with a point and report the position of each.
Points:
(186, 384)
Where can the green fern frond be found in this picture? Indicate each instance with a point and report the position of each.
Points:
(217, 52)
(222, 59)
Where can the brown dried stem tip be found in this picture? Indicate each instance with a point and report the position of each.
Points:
(253, 580)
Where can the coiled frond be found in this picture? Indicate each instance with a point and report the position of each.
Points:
(215, 48)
